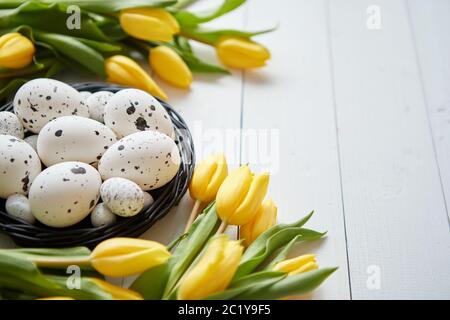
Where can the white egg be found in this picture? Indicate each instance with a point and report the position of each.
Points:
(64, 194)
(18, 206)
(19, 166)
(10, 124)
(96, 104)
(133, 110)
(102, 216)
(149, 158)
(73, 138)
(122, 196)
(85, 94)
(41, 100)
(148, 200)
(32, 141)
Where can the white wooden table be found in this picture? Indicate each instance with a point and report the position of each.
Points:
(353, 122)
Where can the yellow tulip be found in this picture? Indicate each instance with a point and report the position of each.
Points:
(240, 196)
(118, 293)
(150, 24)
(265, 218)
(241, 53)
(214, 271)
(207, 178)
(297, 265)
(16, 51)
(121, 257)
(169, 66)
(56, 298)
(123, 70)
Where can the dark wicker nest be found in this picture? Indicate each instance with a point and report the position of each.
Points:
(39, 235)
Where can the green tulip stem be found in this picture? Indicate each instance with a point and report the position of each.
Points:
(48, 262)
(193, 215)
(223, 226)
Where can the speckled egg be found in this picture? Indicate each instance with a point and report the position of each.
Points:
(40, 100)
(32, 141)
(10, 124)
(19, 165)
(102, 216)
(148, 200)
(96, 104)
(64, 194)
(149, 158)
(133, 110)
(122, 196)
(18, 206)
(73, 138)
(85, 94)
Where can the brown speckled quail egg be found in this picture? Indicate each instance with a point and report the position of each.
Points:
(133, 110)
(149, 158)
(41, 100)
(122, 196)
(32, 141)
(96, 104)
(64, 194)
(102, 216)
(10, 124)
(18, 206)
(73, 138)
(19, 165)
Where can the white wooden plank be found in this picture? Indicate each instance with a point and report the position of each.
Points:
(293, 95)
(395, 213)
(430, 21)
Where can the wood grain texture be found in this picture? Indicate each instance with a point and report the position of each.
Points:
(394, 207)
(292, 99)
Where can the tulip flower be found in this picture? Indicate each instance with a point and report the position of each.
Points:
(169, 66)
(241, 53)
(152, 24)
(121, 257)
(123, 70)
(240, 196)
(297, 265)
(117, 293)
(214, 271)
(16, 51)
(206, 180)
(265, 218)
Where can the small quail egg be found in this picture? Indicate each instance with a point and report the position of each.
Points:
(10, 124)
(148, 200)
(123, 197)
(96, 104)
(41, 100)
(85, 94)
(102, 216)
(32, 141)
(133, 110)
(18, 206)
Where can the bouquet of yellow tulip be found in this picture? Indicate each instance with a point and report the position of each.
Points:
(203, 263)
(40, 38)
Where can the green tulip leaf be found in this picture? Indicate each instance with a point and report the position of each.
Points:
(299, 284)
(75, 50)
(186, 18)
(88, 289)
(282, 255)
(43, 64)
(101, 46)
(151, 283)
(211, 37)
(198, 235)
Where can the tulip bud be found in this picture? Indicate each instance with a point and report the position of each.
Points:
(241, 53)
(121, 257)
(297, 265)
(123, 70)
(214, 271)
(169, 66)
(207, 178)
(117, 293)
(16, 51)
(150, 24)
(240, 196)
(265, 218)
